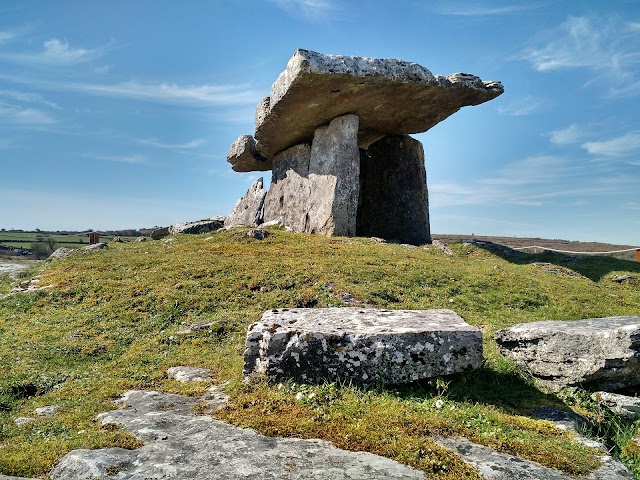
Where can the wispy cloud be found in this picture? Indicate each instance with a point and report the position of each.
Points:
(568, 136)
(134, 159)
(523, 106)
(16, 115)
(171, 93)
(27, 97)
(607, 47)
(6, 37)
(467, 10)
(153, 142)
(615, 147)
(57, 52)
(313, 10)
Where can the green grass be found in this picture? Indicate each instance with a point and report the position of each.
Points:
(110, 325)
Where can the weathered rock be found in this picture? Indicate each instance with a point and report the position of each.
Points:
(24, 420)
(117, 239)
(5, 477)
(565, 419)
(141, 239)
(47, 411)
(196, 327)
(363, 346)
(248, 209)
(181, 445)
(159, 233)
(443, 247)
(601, 352)
(619, 404)
(95, 246)
(334, 172)
(62, 252)
(557, 269)
(201, 226)
(289, 193)
(244, 157)
(390, 97)
(492, 465)
(393, 201)
(258, 234)
(492, 247)
(189, 374)
(624, 278)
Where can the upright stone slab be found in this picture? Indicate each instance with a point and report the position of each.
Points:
(288, 196)
(393, 201)
(601, 352)
(334, 178)
(248, 209)
(362, 346)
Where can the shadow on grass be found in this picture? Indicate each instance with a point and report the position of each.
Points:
(593, 267)
(507, 391)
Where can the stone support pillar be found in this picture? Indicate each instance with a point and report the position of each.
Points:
(394, 202)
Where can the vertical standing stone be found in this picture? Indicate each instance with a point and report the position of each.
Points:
(248, 209)
(394, 202)
(334, 176)
(288, 197)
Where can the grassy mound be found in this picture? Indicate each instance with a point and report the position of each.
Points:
(110, 323)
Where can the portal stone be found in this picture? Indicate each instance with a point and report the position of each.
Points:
(334, 171)
(248, 209)
(393, 200)
(288, 197)
(361, 346)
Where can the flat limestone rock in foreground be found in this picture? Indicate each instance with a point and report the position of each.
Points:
(391, 97)
(180, 445)
(601, 352)
(362, 346)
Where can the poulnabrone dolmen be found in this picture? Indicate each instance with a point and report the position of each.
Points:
(334, 133)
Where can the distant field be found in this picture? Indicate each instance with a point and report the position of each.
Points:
(516, 242)
(24, 239)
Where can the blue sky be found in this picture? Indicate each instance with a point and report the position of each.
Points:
(119, 114)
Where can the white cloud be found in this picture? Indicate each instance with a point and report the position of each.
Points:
(171, 93)
(615, 147)
(314, 10)
(605, 46)
(57, 52)
(16, 115)
(134, 159)
(567, 136)
(482, 10)
(196, 143)
(6, 37)
(27, 97)
(523, 106)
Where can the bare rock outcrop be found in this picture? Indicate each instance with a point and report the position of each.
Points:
(601, 352)
(248, 209)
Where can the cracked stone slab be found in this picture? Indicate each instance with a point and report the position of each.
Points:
(183, 446)
(619, 404)
(189, 374)
(244, 156)
(391, 97)
(362, 346)
(248, 209)
(601, 352)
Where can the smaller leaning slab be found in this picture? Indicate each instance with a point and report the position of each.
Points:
(601, 352)
(361, 346)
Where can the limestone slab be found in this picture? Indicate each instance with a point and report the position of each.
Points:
(288, 198)
(393, 201)
(601, 352)
(334, 178)
(244, 157)
(197, 227)
(362, 346)
(390, 96)
(179, 444)
(248, 209)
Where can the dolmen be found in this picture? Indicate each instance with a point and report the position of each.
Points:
(334, 133)
(360, 346)
(597, 353)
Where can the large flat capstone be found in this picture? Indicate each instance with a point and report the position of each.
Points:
(390, 96)
(601, 352)
(361, 346)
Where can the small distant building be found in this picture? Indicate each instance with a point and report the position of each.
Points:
(94, 237)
